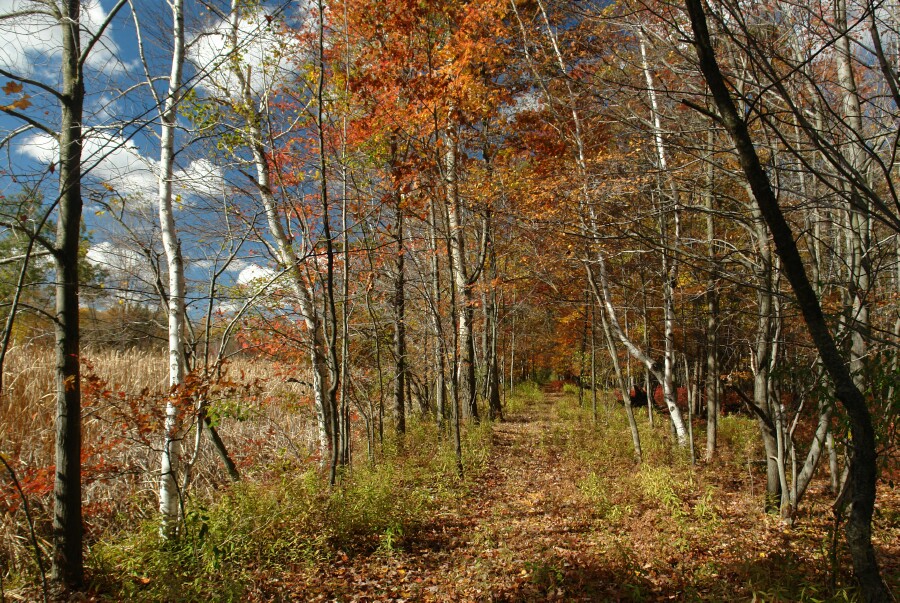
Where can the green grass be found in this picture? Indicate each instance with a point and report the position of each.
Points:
(739, 435)
(521, 396)
(665, 515)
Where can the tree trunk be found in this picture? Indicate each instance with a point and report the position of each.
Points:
(623, 387)
(801, 481)
(669, 258)
(863, 470)
(287, 258)
(600, 285)
(455, 413)
(465, 377)
(645, 323)
(68, 561)
(345, 284)
(712, 317)
(399, 324)
(168, 484)
(330, 322)
(593, 360)
(858, 236)
(761, 362)
(491, 327)
(434, 305)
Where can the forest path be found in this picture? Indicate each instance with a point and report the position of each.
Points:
(562, 513)
(523, 533)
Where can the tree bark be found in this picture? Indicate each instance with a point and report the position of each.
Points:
(399, 324)
(600, 286)
(168, 482)
(712, 317)
(330, 322)
(491, 326)
(68, 561)
(669, 258)
(464, 302)
(623, 387)
(858, 238)
(440, 348)
(284, 250)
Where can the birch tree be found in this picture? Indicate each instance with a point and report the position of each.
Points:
(168, 486)
(250, 91)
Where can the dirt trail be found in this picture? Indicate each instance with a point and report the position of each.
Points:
(525, 532)
(522, 534)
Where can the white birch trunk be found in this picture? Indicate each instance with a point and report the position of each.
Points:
(287, 258)
(601, 293)
(604, 297)
(465, 368)
(434, 313)
(168, 484)
(802, 480)
(858, 232)
(670, 260)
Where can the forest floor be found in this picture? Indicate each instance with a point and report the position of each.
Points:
(561, 512)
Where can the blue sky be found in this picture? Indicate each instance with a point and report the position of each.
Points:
(120, 152)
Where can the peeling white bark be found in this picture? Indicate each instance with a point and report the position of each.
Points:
(168, 484)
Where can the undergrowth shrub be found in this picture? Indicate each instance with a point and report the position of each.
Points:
(374, 503)
(568, 411)
(740, 436)
(672, 490)
(659, 486)
(601, 493)
(606, 441)
(292, 518)
(476, 442)
(123, 393)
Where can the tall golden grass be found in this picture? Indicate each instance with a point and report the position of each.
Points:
(262, 419)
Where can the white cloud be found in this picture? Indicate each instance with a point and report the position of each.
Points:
(201, 177)
(110, 159)
(102, 109)
(255, 275)
(234, 267)
(31, 44)
(117, 260)
(265, 55)
(120, 164)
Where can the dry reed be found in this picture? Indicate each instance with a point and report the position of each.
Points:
(263, 420)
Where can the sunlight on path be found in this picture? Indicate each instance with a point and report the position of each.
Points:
(562, 513)
(523, 533)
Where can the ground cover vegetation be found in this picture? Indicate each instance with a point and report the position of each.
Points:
(447, 300)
